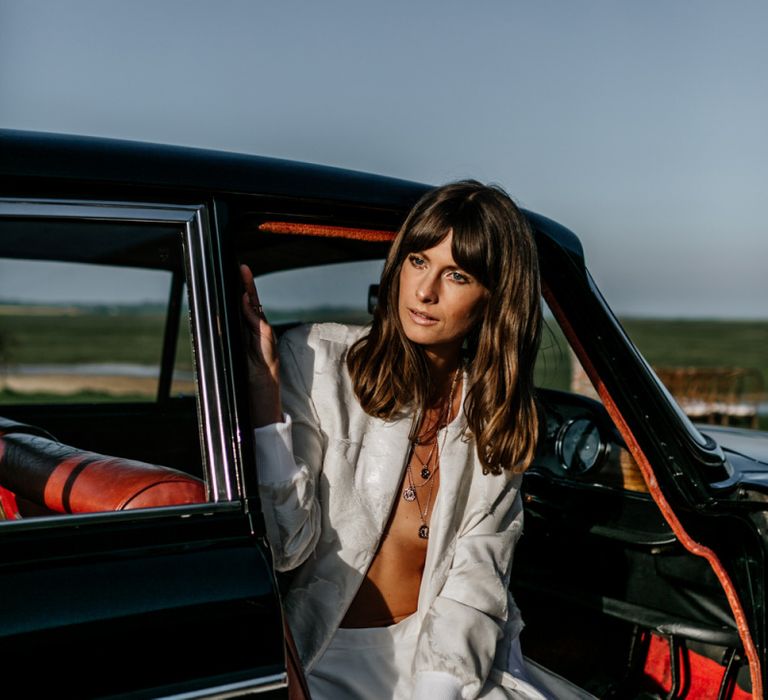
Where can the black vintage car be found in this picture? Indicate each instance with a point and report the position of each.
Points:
(133, 561)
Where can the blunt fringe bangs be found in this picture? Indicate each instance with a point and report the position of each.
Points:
(492, 241)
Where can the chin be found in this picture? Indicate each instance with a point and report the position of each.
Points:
(417, 336)
(428, 340)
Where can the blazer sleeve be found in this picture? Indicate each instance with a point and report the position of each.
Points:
(458, 638)
(289, 458)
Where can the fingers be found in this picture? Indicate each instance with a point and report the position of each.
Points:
(263, 361)
(246, 275)
(252, 307)
(248, 284)
(255, 300)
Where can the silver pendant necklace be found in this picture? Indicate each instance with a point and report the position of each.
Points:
(410, 494)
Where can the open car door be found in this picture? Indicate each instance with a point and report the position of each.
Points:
(131, 564)
(642, 567)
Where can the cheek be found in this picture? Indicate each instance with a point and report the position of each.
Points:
(407, 287)
(474, 314)
(469, 311)
(402, 286)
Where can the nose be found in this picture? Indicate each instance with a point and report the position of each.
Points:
(426, 292)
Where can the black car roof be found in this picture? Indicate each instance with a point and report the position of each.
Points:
(105, 161)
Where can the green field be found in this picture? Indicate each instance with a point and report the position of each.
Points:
(675, 343)
(702, 343)
(84, 337)
(122, 335)
(137, 338)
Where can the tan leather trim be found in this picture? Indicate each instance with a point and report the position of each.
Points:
(666, 510)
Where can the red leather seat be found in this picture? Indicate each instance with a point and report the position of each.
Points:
(62, 479)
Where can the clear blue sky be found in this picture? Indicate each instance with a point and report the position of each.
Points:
(639, 124)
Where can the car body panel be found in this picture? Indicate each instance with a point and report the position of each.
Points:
(125, 605)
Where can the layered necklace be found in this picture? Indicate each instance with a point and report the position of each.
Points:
(427, 472)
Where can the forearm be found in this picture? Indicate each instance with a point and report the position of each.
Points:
(287, 491)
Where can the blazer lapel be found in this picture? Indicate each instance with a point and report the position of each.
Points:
(381, 465)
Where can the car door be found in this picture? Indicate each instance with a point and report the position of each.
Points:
(113, 366)
(643, 552)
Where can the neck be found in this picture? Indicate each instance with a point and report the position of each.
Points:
(441, 385)
(441, 409)
(442, 367)
(444, 379)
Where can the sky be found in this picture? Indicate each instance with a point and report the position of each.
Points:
(638, 124)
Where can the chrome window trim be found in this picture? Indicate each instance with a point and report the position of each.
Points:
(194, 223)
(156, 514)
(233, 690)
(205, 308)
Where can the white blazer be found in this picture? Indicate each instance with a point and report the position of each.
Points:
(326, 509)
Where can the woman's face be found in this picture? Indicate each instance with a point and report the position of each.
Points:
(439, 303)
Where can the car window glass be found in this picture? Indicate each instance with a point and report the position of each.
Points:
(98, 410)
(557, 366)
(336, 292)
(84, 333)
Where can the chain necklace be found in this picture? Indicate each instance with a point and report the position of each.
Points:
(423, 528)
(426, 471)
(410, 494)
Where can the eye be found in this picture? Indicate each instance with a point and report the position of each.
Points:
(416, 261)
(459, 277)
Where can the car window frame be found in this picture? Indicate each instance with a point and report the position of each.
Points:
(204, 298)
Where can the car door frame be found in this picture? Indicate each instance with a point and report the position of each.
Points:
(214, 547)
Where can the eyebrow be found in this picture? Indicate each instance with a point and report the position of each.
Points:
(455, 265)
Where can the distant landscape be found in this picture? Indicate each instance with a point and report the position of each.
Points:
(690, 342)
(114, 335)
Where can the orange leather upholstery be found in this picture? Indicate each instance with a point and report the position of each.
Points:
(63, 479)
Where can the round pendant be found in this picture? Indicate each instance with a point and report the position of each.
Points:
(409, 494)
(425, 473)
(424, 532)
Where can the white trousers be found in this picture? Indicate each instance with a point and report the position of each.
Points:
(374, 663)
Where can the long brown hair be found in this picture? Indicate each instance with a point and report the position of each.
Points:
(492, 241)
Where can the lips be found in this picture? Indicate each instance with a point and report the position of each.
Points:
(420, 318)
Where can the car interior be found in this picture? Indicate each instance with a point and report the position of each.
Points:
(599, 563)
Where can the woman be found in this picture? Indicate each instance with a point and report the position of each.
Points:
(390, 460)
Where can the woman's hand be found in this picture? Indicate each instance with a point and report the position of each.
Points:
(263, 360)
